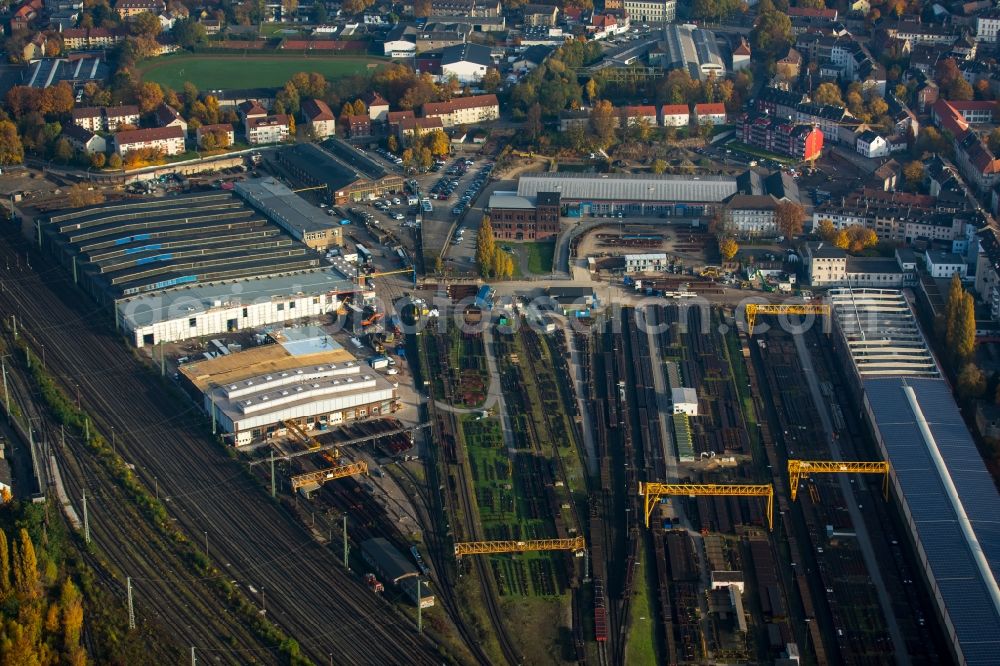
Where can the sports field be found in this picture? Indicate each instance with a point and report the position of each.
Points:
(216, 72)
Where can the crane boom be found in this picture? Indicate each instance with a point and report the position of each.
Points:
(330, 474)
(754, 309)
(800, 469)
(491, 547)
(654, 491)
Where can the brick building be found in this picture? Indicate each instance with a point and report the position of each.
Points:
(519, 218)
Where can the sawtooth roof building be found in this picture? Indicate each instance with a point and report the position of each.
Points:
(946, 494)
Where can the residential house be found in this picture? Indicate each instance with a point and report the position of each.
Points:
(633, 115)
(710, 113)
(409, 127)
(603, 26)
(741, 55)
(466, 62)
(871, 144)
(105, 118)
(675, 115)
(801, 141)
(129, 8)
(25, 14)
(269, 129)
(319, 118)
(378, 108)
(80, 39)
(167, 116)
(988, 26)
(944, 264)
(250, 108)
(976, 162)
(748, 215)
(357, 125)
(472, 8)
(790, 65)
(540, 15)
(650, 11)
(168, 140)
(530, 58)
(84, 140)
(464, 110)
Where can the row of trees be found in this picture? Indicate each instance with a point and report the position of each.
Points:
(491, 260)
(42, 616)
(854, 238)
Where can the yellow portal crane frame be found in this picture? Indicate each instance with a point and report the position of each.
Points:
(309, 189)
(800, 469)
(754, 309)
(492, 547)
(332, 455)
(331, 474)
(398, 271)
(654, 491)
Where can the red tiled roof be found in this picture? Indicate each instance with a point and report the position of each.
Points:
(974, 105)
(633, 111)
(316, 109)
(372, 98)
(399, 116)
(151, 134)
(675, 109)
(950, 118)
(474, 102)
(812, 12)
(267, 121)
(421, 123)
(709, 109)
(743, 48)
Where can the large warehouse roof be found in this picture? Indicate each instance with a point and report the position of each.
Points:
(881, 333)
(950, 502)
(628, 187)
(138, 247)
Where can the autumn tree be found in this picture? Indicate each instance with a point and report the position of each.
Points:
(773, 31)
(913, 174)
(491, 80)
(486, 248)
(11, 149)
(533, 122)
(440, 145)
(842, 239)
(971, 381)
(789, 216)
(5, 588)
(659, 166)
(115, 161)
(144, 24)
(148, 95)
(26, 582)
(828, 93)
(72, 616)
(826, 230)
(728, 248)
(63, 150)
(603, 122)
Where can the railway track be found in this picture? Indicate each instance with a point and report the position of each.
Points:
(251, 538)
(448, 427)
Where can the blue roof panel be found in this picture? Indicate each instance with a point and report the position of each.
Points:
(966, 595)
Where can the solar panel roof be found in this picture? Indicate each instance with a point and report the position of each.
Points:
(968, 593)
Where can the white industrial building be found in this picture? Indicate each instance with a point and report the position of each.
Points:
(211, 309)
(641, 263)
(305, 377)
(685, 401)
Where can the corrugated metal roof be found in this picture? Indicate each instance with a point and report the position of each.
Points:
(628, 187)
(967, 591)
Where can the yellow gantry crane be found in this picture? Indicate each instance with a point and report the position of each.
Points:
(654, 491)
(323, 475)
(400, 271)
(492, 547)
(754, 309)
(800, 469)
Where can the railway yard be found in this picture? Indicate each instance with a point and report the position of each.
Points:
(540, 494)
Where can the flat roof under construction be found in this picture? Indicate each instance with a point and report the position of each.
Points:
(148, 309)
(881, 333)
